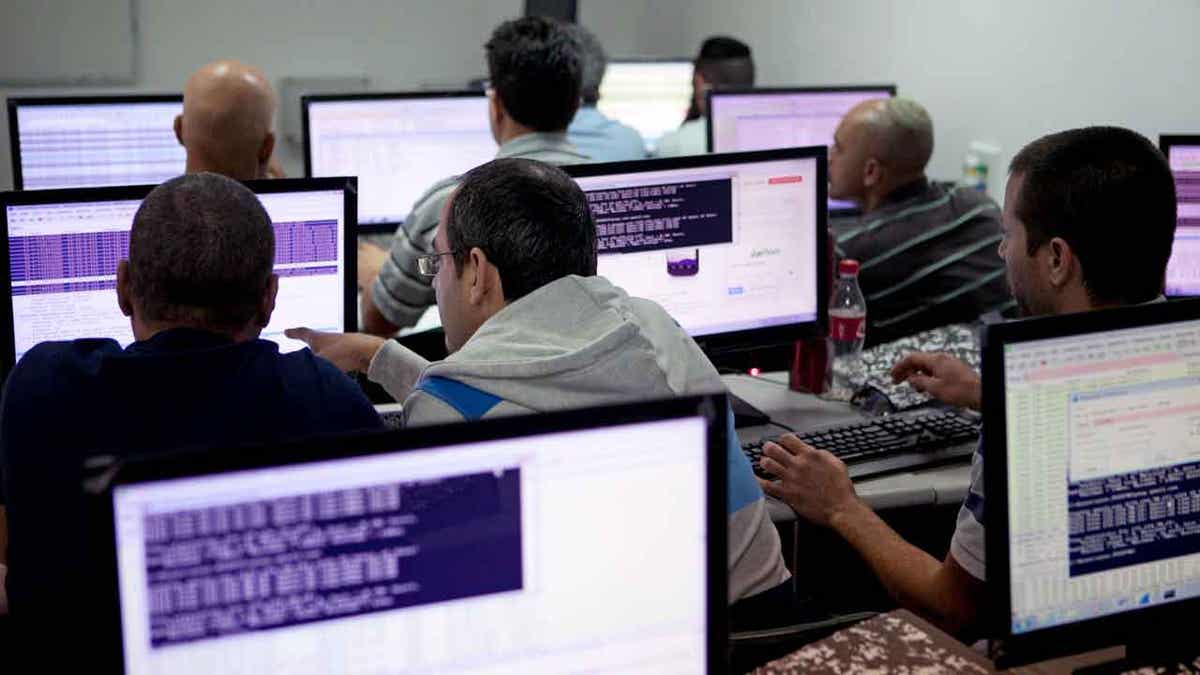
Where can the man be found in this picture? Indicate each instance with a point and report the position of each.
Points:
(534, 70)
(530, 328)
(926, 250)
(1089, 220)
(722, 62)
(600, 138)
(198, 288)
(227, 122)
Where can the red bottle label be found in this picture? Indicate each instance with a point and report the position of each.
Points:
(847, 327)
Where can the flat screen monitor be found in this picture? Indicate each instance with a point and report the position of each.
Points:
(1092, 438)
(650, 95)
(763, 119)
(63, 246)
(1183, 270)
(732, 246)
(94, 141)
(398, 145)
(540, 544)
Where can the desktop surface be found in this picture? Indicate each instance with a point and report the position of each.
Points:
(652, 96)
(731, 246)
(1183, 269)
(472, 553)
(742, 120)
(1095, 472)
(63, 254)
(94, 141)
(399, 145)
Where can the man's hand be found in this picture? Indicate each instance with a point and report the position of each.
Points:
(370, 261)
(943, 377)
(813, 482)
(348, 351)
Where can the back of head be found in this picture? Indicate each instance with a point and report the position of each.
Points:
(201, 253)
(725, 62)
(531, 219)
(1109, 193)
(901, 135)
(535, 69)
(593, 61)
(228, 115)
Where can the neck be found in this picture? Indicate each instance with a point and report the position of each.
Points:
(144, 330)
(876, 197)
(235, 170)
(511, 131)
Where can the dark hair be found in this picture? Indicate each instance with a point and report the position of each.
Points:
(725, 61)
(534, 67)
(531, 219)
(1108, 192)
(201, 252)
(593, 62)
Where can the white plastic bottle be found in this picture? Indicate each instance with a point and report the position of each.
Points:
(847, 331)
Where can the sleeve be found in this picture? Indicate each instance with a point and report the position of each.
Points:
(967, 544)
(397, 369)
(422, 409)
(345, 403)
(400, 292)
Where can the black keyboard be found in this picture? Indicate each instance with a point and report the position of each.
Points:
(890, 443)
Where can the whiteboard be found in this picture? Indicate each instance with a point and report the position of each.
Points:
(67, 42)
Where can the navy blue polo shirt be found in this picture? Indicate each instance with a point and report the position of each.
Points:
(67, 401)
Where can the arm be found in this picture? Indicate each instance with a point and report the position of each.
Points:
(943, 377)
(817, 486)
(386, 362)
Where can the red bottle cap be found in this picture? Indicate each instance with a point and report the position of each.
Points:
(848, 267)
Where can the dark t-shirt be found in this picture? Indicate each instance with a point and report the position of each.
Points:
(66, 402)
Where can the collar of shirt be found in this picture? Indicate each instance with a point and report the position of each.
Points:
(536, 142)
(178, 340)
(906, 191)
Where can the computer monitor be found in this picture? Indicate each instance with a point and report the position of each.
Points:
(93, 141)
(650, 95)
(62, 248)
(398, 145)
(1092, 438)
(762, 119)
(540, 544)
(1183, 270)
(732, 246)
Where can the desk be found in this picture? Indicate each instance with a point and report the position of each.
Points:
(769, 393)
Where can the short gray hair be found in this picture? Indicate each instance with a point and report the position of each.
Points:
(902, 134)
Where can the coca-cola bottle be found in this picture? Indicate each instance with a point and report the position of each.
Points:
(847, 330)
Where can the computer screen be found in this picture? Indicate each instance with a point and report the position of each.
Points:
(1183, 270)
(725, 243)
(1102, 466)
(546, 552)
(650, 96)
(399, 145)
(63, 250)
(763, 119)
(94, 141)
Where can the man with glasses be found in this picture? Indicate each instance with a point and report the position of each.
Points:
(531, 328)
(536, 74)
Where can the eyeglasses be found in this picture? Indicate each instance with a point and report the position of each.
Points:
(428, 265)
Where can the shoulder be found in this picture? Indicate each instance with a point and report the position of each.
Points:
(51, 370)
(429, 205)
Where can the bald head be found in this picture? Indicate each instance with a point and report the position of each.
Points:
(880, 145)
(226, 125)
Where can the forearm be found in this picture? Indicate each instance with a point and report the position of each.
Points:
(915, 579)
(397, 369)
(373, 320)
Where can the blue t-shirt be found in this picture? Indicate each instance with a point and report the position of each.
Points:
(603, 139)
(68, 401)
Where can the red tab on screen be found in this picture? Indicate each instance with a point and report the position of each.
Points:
(782, 180)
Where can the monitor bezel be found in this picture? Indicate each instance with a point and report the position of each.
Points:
(735, 341)
(1165, 143)
(197, 461)
(347, 184)
(1071, 638)
(17, 102)
(307, 99)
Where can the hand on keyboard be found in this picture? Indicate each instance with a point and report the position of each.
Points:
(813, 482)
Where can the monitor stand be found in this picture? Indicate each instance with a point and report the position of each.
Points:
(1167, 649)
(746, 415)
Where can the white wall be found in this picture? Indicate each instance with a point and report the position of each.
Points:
(1002, 70)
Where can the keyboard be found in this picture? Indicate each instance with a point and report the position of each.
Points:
(891, 443)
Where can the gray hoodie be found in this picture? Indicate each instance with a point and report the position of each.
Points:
(576, 342)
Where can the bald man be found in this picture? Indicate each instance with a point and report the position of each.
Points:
(227, 122)
(928, 252)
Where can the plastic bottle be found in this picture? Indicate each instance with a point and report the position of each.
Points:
(980, 155)
(847, 331)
